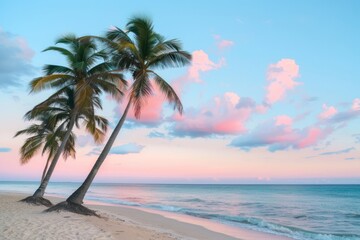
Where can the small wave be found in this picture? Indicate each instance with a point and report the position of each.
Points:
(194, 200)
(353, 215)
(114, 201)
(289, 231)
(273, 228)
(135, 199)
(251, 204)
(165, 208)
(201, 215)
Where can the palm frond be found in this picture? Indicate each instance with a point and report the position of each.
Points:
(170, 59)
(69, 150)
(30, 147)
(118, 35)
(68, 54)
(101, 122)
(48, 81)
(169, 92)
(52, 69)
(91, 127)
(166, 46)
(111, 83)
(145, 39)
(126, 60)
(66, 39)
(141, 88)
(34, 128)
(100, 68)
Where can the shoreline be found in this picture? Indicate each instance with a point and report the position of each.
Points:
(117, 222)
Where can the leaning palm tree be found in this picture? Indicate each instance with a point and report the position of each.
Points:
(44, 135)
(53, 118)
(140, 56)
(89, 74)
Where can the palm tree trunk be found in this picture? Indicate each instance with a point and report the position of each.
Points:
(41, 190)
(45, 168)
(78, 196)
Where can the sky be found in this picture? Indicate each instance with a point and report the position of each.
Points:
(272, 94)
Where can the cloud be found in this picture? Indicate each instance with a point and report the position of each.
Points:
(279, 134)
(95, 151)
(357, 137)
(225, 114)
(15, 59)
(151, 112)
(126, 149)
(222, 44)
(200, 63)
(345, 116)
(328, 112)
(281, 77)
(120, 150)
(245, 102)
(4, 149)
(356, 104)
(156, 134)
(283, 120)
(346, 150)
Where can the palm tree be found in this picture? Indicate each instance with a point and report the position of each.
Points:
(140, 56)
(44, 135)
(52, 128)
(89, 74)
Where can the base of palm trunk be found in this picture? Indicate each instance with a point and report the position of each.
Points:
(37, 201)
(72, 207)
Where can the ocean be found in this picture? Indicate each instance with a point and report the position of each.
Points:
(316, 212)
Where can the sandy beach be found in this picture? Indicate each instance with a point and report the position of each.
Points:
(22, 221)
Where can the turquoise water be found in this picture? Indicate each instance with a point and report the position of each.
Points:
(323, 212)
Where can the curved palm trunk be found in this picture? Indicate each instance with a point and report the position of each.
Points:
(45, 169)
(41, 190)
(78, 196)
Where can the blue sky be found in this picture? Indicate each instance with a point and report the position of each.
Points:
(311, 45)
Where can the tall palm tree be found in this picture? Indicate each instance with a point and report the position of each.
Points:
(89, 74)
(139, 55)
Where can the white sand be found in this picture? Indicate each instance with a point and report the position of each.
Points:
(23, 221)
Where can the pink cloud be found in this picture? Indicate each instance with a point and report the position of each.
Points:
(222, 43)
(202, 63)
(283, 120)
(342, 117)
(222, 115)
(262, 108)
(281, 77)
(279, 134)
(151, 112)
(225, 44)
(328, 112)
(313, 135)
(356, 104)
